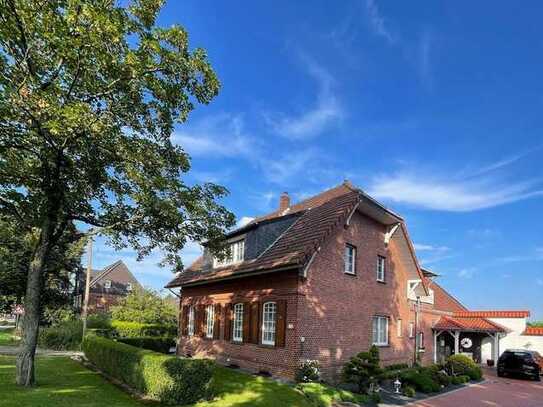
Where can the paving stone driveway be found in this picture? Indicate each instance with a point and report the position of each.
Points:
(494, 392)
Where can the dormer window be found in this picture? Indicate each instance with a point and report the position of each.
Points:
(107, 284)
(236, 254)
(128, 287)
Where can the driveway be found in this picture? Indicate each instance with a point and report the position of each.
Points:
(494, 392)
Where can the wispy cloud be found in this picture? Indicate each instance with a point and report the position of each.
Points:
(244, 220)
(447, 192)
(215, 136)
(429, 248)
(377, 22)
(326, 111)
(466, 273)
(535, 255)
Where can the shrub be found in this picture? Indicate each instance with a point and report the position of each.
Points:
(308, 371)
(409, 391)
(475, 373)
(363, 369)
(460, 379)
(169, 379)
(147, 307)
(422, 380)
(321, 395)
(375, 397)
(459, 364)
(397, 366)
(99, 321)
(64, 336)
(136, 329)
(158, 344)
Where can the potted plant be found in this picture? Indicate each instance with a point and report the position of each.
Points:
(490, 362)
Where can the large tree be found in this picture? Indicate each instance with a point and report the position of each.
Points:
(62, 266)
(89, 95)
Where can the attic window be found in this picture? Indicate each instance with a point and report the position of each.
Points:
(129, 287)
(236, 254)
(107, 284)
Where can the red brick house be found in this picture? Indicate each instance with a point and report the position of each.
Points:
(321, 279)
(107, 287)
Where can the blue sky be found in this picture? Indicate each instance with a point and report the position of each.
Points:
(434, 108)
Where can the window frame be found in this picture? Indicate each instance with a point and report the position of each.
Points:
(190, 321)
(210, 321)
(237, 322)
(420, 340)
(128, 286)
(348, 247)
(377, 333)
(107, 284)
(381, 268)
(411, 329)
(268, 323)
(399, 328)
(236, 255)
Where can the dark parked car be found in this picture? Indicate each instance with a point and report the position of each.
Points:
(521, 362)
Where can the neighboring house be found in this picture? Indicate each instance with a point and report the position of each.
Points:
(107, 287)
(321, 279)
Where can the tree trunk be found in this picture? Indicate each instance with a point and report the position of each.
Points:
(25, 358)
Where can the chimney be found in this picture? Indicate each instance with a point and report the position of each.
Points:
(284, 202)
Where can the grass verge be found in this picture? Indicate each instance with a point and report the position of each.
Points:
(7, 337)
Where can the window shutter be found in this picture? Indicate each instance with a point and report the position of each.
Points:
(247, 322)
(280, 323)
(255, 311)
(185, 321)
(217, 322)
(228, 322)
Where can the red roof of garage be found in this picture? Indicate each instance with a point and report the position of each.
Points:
(447, 323)
(533, 331)
(493, 314)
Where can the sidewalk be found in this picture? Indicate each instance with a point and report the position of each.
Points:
(13, 350)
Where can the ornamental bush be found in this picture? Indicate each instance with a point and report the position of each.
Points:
(66, 335)
(422, 380)
(308, 371)
(475, 373)
(460, 364)
(127, 329)
(157, 344)
(363, 369)
(168, 379)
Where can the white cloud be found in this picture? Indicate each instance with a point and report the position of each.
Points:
(445, 193)
(281, 169)
(312, 121)
(429, 248)
(536, 255)
(222, 135)
(466, 273)
(244, 220)
(377, 22)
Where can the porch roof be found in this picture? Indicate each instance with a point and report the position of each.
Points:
(471, 324)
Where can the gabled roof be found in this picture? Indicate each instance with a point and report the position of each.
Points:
(444, 301)
(447, 323)
(493, 314)
(533, 331)
(318, 217)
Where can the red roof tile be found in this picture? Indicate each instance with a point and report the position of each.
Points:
(467, 324)
(533, 331)
(493, 314)
(444, 301)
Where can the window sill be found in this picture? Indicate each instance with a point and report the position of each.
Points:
(382, 345)
(349, 274)
(381, 281)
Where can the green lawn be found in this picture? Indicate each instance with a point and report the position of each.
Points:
(63, 382)
(7, 338)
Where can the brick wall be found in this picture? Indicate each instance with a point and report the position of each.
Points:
(279, 361)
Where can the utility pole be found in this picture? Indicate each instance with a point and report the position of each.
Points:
(87, 284)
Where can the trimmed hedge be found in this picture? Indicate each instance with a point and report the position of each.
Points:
(158, 344)
(168, 379)
(460, 364)
(127, 329)
(64, 336)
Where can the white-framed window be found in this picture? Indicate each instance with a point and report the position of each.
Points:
(210, 320)
(381, 264)
(380, 331)
(350, 259)
(412, 294)
(129, 287)
(420, 340)
(411, 329)
(236, 254)
(237, 325)
(269, 311)
(399, 332)
(107, 284)
(190, 328)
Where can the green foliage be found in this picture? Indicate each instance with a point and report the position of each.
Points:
(393, 374)
(460, 364)
(308, 371)
(169, 379)
(125, 329)
(8, 337)
(397, 366)
(409, 391)
(99, 321)
(475, 373)
(422, 379)
(375, 398)
(66, 335)
(460, 379)
(363, 369)
(147, 307)
(537, 324)
(157, 344)
(321, 395)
